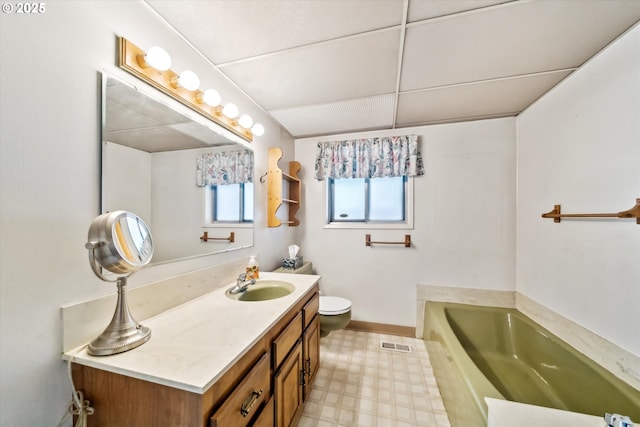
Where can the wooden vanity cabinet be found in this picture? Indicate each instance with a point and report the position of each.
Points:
(311, 342)
(276, 364)
(293, 377)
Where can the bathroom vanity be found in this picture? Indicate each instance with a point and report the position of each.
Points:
(212, 361)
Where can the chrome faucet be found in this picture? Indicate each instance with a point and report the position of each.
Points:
(241, 284)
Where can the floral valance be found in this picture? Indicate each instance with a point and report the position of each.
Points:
(369, 158)
(224, 167)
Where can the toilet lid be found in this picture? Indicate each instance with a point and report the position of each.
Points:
(334, 305)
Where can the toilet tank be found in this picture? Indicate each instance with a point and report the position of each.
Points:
(307, 268)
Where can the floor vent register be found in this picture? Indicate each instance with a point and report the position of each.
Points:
(403, 348)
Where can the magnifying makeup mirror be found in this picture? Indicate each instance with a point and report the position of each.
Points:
(120, 243)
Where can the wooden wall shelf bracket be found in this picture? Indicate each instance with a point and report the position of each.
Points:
(557, 214)
(275, 180)
(406, 243)
(205, 237)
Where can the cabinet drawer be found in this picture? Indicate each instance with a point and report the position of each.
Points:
(311, 309)
(286, 340)
(240, 407)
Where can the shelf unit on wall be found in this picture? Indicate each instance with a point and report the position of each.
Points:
(277, 180)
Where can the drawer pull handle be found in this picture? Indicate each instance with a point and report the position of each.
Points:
(249, 402)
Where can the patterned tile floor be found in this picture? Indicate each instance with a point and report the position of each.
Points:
(360, 384)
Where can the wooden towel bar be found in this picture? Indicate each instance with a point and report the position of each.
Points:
(205, 237)
(634, 212)
(406, 243)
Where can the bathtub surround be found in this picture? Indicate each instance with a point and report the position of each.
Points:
(479, 352)
(488, 297)
(618, 361)
(613, 358)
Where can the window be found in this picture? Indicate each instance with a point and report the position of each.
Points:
(230, 203)
(369, 201)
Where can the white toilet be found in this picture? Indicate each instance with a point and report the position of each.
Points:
(334, 312)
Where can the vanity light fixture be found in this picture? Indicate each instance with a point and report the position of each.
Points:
(187, 79)
(210, 97)
(153, 67)
(257, 129)
(245, 121)
(156, 57)
(230, 110)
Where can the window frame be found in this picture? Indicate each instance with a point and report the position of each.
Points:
(386, 225)
(209, 214)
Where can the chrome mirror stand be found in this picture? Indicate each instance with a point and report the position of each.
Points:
(124, 332)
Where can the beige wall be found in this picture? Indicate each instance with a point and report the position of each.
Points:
(579, 146)
(50, 184)
(464, 230)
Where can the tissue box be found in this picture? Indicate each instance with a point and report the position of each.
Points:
(292, 263)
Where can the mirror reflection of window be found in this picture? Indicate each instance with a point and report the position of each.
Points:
(232, 202)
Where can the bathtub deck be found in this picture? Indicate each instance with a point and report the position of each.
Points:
(503, 413)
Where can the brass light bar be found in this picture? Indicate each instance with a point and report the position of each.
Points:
(131, 59)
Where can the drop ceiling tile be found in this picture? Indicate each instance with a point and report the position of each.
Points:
(227, 30)
(356, 114)
(517, 39)
(354, 67)
(420, 9)
(476, 100)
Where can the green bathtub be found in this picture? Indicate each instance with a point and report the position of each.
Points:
(479, 352)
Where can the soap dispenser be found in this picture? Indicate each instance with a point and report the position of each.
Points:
(253, 269)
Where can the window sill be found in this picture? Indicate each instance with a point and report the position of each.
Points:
(228, 225)
(368, 226)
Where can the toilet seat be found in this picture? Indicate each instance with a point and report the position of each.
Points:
(333, 306)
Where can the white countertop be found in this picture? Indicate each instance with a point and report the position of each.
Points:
(503, 413)
(194, 344)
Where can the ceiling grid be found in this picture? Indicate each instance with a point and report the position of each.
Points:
(327, 67)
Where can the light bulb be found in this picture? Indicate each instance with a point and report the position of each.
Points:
(257, 129)
(230, 110)
(211, 98)
(189, 80)
(158, 58)
(245, 121)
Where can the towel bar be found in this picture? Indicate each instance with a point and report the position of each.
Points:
(205, 237)
(634, 212)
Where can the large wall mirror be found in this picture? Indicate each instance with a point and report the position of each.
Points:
(150, 150)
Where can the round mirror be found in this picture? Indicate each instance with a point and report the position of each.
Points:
(119, 242)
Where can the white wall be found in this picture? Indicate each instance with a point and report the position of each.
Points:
(579, 146)
(50, 181)
(464, 226)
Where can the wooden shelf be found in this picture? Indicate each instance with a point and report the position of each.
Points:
(275, 190)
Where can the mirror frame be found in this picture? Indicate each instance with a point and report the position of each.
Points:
(159, 97)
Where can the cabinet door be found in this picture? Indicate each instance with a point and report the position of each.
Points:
(288, 388)
(266, 416)
(311, 354)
